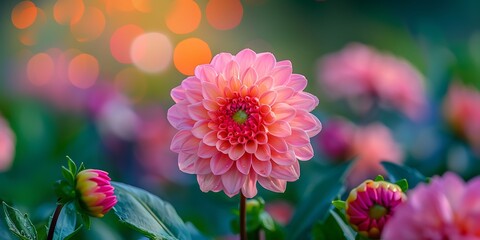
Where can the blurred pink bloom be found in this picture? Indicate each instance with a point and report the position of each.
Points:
(462, 111)
(281, 211)
(96, 194)
(372, 144)
(447, 208)
(371, 205)
(336, 139)
(362, 75)
(243, 119)
(7, 145)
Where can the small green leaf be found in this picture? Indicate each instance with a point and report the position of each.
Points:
(72, 166)
(67, 222)
(81, 168)
(267, 221)
(148, 214)
(339, 204)
(397, 172)
(69, 177)
(19, 223)
(403, 184)
(86, 220)
(379, 178)
(347, 230)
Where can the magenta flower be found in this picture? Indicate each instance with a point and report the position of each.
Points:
(370, 206)
(7, 145)
(447, 208)
(336, 139)
(362, 75)
(96, 194)
(243, 119)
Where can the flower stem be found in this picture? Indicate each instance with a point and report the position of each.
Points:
(243, 217)
(53, 224)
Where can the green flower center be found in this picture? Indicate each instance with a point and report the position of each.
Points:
(377, 211)
(240, 117)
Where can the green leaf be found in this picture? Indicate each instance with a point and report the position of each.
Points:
(339, 204)
(379, 178)
(347, 230)
(148, 214)
(327, 229)
(67, 222)
(72, 166)
(317, 200)
(267, 221)
(5, 233)
(19, 223)
(403, 184)
(397, 172)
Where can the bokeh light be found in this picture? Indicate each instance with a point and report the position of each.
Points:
(90, 26)
(183, 17)
(224, 14)
(83, 71)
(130, 82)
(122, 40)
(40, 69)
(113, 6)
(24, 14)
(151, 52)
(142, 5)
(29, 36)
(66, 12)
(189, 53)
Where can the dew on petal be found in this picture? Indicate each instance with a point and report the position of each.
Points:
(40, 69)
(24, 14)
(90, 26)
(183, 17)
(83, 71)
(67, 12)
(121, 41)
(151, 52)
(189, 53)
(224, 14)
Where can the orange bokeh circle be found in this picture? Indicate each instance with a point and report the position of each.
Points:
(189, 53)
(24, 14)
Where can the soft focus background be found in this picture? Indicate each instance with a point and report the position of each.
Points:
(397, 81)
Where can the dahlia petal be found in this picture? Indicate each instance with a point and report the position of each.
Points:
(281, 75)
(249, 188)
(264, 64)
(232, 70)
(287, 173)
(284, 159)
(249, 77)
(208, 182)
(210, 139)
(177, 115)
(210, 105)
(233, 181)
(210, 91)
(178, 94)
(221, 60)
(304, 153)
(268, 97)
(280, 129)
(262, 168)
(179, 140)
(264, 84)
(244, 163)
(298, 82)
(197, 112)
(200, 129)
(306, 121)
(278, 144)
(194, 86)
(253, 91)
(202, 166)
(206, 73)
(284, 111)
(220, 163)
(251, 146)
(284, 63)
(273, 184)
(303, 100)
(236, 152)
(186, 162)
(223, 146)
(221, 82)
(205, 151)
(245, 59)
(297, 138)
(261, 137)
(263, 152)
(284, 93)
(235, 85)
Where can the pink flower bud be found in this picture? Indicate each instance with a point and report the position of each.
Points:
(96, 194)
(370, 206)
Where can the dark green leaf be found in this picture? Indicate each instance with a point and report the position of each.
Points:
(347, 230)
(72, 166)
(327, 230)
(403, 184)
(379, 178)
(67, 222)
(69, 177)
(148, 214)
(339, 204)
(397, 172)
(317, 200)
(19, 223)
(5, 233)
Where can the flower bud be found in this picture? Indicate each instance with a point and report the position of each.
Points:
(95, 193)
(370, 205)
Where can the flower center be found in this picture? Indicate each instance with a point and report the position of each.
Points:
(240, 116)
(377, 211)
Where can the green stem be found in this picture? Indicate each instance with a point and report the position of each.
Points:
(53, 224)
(243, 217)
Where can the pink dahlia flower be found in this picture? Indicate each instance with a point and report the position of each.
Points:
(7, 145)
(447, 208)
(370, 206)
(362, 75)
(336, 139)
(241, 119)
(96, 194)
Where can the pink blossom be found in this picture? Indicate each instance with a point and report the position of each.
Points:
(241, 119)
(7, 145)
(461, 109)
(281, 211)
(371, 205)
(372, 144)
(336, 139)
(362, 75)
(447, 208)
(96, 194)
